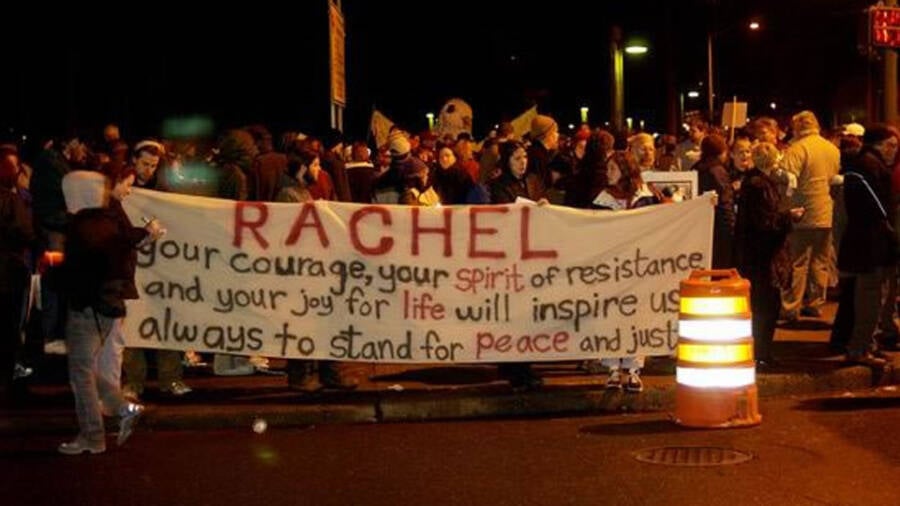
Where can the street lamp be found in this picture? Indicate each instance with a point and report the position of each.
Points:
(617, 75)
(711, 88)
(430, 117)
(636, 49)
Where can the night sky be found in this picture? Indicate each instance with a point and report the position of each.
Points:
(261, 63)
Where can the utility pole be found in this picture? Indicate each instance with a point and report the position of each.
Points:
(336, 61)
(617, 79)
(890, 80)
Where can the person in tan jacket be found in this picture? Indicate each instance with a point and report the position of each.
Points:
(814, 161)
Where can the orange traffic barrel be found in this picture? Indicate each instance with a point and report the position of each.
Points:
(715, 374)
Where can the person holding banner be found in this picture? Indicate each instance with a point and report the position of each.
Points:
(512, 184)
(625, 190)
(300, 372)
(145, 160)
(513, 181)
(97, 276)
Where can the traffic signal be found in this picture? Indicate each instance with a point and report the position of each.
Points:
(884, 26)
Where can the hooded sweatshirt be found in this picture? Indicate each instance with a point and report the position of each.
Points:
(98, 267)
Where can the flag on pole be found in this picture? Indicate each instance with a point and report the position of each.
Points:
(522, 123)
(380, 126)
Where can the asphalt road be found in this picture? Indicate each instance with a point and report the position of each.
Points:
(842, 450)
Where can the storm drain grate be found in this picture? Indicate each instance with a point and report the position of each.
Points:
(692, 456)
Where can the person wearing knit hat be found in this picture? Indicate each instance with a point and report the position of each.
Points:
(145, 160)
(545, 141)
(814, 161)
(399, 144)
(542, 126)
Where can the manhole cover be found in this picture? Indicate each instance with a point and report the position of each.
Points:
(692, 456)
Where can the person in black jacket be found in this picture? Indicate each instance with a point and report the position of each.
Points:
(97, 276)
(868, 246)
(713, 176)
(17, 234)
(761, 252)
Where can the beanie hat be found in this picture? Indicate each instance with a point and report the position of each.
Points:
(877, 133)
(398, 143)
(541, 126)
(84, 189)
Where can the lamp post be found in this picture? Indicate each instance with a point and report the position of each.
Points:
(617, 52)
(711, 88)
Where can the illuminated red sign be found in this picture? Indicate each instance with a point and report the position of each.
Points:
(885, 26)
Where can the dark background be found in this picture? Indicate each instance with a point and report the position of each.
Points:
(78, 68)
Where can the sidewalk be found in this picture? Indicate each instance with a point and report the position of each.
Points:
(395, 393)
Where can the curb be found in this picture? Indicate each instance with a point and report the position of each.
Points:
(458, 404)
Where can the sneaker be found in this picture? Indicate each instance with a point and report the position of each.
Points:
(614, 381)
(55, 347)
(21, 371)
(81, 445)
(634, 383)
(177, 388)
(129, 416)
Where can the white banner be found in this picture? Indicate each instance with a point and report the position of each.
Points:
(338, 281)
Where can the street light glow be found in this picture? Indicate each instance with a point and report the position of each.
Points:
(693, 94)
(636, 49)
(754, 25)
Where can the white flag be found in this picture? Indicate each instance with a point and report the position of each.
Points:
(380, 126)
